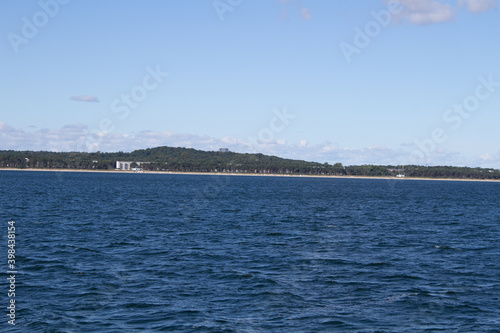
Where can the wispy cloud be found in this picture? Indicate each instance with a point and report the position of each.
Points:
(76, 138)
(85, 98)
(305, 13)
(478, 6)
(62, 139)
(423, 12)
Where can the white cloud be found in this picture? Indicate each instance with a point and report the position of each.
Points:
(62, 139)
(425, 12)
(486, 157)
(281, 142)
(4, 127)
(306, 13)
(85, 98)
(422, 12)
(487, 160)
(478, 6)
(80, 138)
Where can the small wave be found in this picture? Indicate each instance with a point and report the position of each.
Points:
(395, 298)
(377, 264)
(79, 248)
(444, 247)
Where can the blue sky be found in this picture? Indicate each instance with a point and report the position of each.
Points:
(356, 82)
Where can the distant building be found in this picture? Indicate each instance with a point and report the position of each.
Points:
(223, 150)
(126, 165)
(123, 165)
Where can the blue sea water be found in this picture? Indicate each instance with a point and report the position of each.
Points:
(107, 252)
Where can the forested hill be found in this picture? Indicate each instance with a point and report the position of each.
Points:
(192, 160)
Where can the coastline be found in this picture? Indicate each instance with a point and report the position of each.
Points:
(251, 174)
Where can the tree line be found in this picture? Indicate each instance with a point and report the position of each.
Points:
(192, 160)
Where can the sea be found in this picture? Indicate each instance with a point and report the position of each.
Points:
(139, 252)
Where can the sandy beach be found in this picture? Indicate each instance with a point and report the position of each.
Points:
(251, 174)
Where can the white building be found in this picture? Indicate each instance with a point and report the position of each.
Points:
(126, 165)
(123, 165)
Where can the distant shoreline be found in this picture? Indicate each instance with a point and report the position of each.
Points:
(251, 174)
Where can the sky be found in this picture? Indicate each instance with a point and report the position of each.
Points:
(355, 82)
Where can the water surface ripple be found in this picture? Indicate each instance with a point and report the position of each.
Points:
(101, 252)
